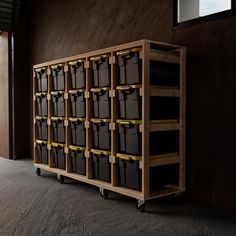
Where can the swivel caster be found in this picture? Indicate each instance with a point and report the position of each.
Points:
(104, 193)
(38, 171)
(61, 179)
(140, 205)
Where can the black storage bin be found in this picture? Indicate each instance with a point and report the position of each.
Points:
(101, 135)
(129, 171)
(58, 75)
(101, 103)
(101, 71)
(78, 160)
(78, 132)
(101, 165)
(41, 123)
(59, 159)
(58, 103)
(78, 73)
(130, 103)
(42, 104)
(164, 142)
(163, 175)
(164, 74)
(130, 66)
(164, 108)
(42, 79)
(42, 151)
(77, 100)
(130, 137)
(58, 130)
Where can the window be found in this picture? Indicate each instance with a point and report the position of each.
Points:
(198, 10)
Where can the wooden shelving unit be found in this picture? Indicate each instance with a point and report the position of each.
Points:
(149, 51)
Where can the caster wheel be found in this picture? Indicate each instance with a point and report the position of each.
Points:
(176, 195)
(104, 193)
(140, 205)
(61, 179)
(38, 171)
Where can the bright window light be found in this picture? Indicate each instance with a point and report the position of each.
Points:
(208, 7)
(192, 9)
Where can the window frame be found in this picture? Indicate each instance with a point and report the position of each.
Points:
(202, 19)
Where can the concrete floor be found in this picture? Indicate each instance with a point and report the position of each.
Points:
(32, 205)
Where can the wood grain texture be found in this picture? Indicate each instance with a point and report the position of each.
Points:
(59, 30)
(4, 98)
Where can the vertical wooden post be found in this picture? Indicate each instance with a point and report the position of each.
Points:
(114, 141)
(89, 170)
(182, 117)
(145, 118)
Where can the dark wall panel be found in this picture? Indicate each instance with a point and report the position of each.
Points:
(65, 28)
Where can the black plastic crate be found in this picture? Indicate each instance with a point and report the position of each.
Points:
(101, 71)
(101, 103)
(163, 175)
(164, 142)
(78, 132)
(58, 129)
(101, 135)
(129, 172)
(42, 151)
(130, 102)
(59, 158)
(42, 127)
(42, 79)
(58, 103)
(42, 104)
(78, 73)
(164, 108)
(78, 160)
(164, 74)
(130, 66)
(78, 102)
(101, 165)
(130, 137)
(58, 76)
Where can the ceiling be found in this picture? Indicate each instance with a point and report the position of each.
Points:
(9, 14)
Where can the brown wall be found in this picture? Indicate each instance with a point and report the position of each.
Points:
(4, 97)
(65, 28)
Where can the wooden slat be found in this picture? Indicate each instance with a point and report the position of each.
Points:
(164, 127)
(98, 183)
(164, 191)
(106, 50)
(164, 161)
(164, 92)
(164, 58)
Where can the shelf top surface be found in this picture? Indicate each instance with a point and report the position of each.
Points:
(153, 45)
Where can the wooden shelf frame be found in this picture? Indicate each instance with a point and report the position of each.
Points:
(150, 50)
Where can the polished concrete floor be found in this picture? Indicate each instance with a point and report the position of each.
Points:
(32, 205)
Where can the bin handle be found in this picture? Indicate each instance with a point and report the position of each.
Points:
(124, 88)
(96, 90)
(124, 53)
(124, 122)
(96, 58)
(41, 142)
(96, 152)
(127, 157)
